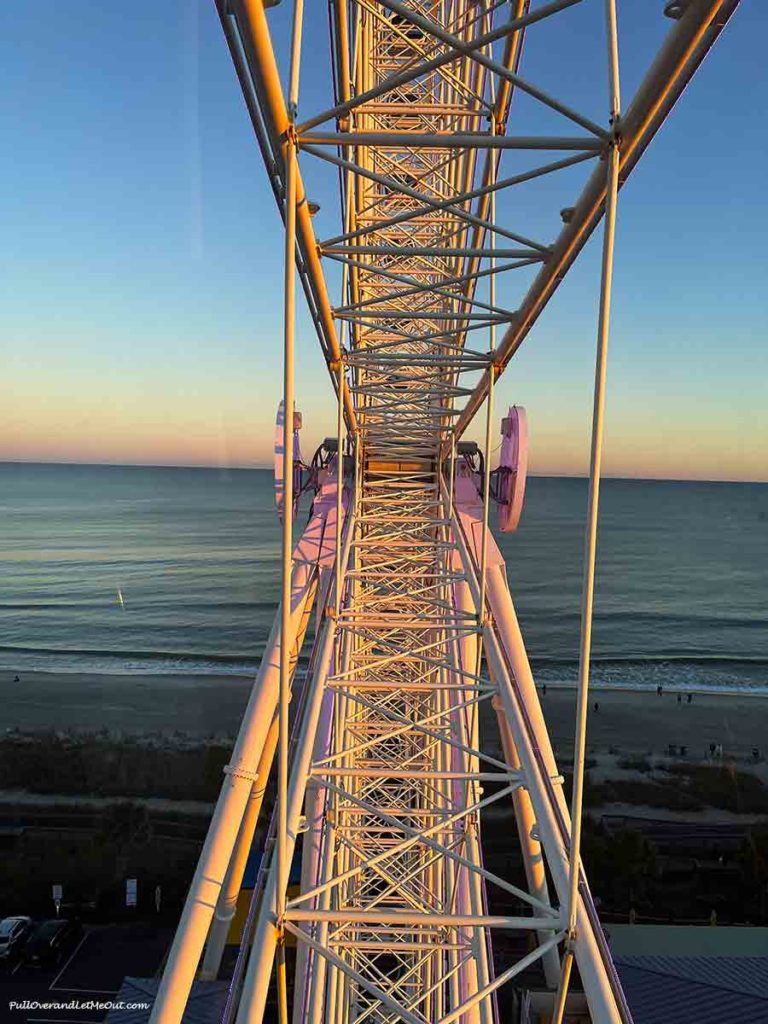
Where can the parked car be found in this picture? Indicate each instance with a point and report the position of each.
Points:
(51, 940)
(13, 934)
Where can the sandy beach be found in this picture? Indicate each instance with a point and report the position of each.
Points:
(199, 706)
(642, 723)
(203, 706)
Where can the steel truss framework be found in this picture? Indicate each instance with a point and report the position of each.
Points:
(384, 781)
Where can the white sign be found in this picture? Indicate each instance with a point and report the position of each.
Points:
(58, 893)
(131, 892)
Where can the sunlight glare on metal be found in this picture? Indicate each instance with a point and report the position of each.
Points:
(403, 911)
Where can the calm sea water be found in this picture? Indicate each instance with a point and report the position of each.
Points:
(134, 570)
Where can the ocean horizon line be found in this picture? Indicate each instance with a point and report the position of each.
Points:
(262, 467)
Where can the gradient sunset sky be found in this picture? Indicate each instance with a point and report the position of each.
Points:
(141, 280)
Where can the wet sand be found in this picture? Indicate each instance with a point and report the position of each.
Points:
(203, 706)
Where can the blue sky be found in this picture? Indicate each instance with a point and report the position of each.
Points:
(140, 276)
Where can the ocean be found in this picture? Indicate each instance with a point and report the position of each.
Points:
(127, 570)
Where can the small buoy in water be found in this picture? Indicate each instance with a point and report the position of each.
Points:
(120, 598)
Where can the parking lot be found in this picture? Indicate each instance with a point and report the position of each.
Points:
(91, 972)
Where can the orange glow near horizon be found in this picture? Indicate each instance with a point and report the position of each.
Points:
(71, 415)
(110, 436)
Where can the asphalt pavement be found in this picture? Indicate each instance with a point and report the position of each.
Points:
(82, 987)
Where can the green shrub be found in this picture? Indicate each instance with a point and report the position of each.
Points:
(637, 764)
(99, 766)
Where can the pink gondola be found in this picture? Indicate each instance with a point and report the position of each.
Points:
(513, 468)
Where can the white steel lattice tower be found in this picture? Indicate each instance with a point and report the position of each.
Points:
(383, 783)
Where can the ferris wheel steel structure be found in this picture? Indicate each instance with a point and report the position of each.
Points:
(383, 780)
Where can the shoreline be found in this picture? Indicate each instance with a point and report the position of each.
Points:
(189, 678)
(211, 707)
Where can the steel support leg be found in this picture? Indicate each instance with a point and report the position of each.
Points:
(533, 857)
(216, 856)
(256, 984)
(508, 663)
(227, 903)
